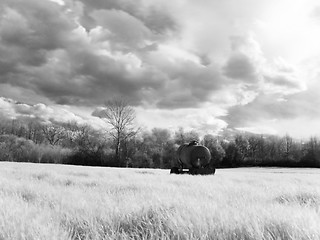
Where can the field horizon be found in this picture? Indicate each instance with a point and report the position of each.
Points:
(49, 201)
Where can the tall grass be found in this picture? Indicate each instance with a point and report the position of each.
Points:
(69, 202)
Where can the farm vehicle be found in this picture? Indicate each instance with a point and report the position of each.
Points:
(193, 159)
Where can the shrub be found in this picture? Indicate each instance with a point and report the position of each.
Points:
(13, 148)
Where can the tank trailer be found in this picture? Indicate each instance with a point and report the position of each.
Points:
(193, 159)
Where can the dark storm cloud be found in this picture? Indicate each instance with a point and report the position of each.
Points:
(91, 80)
(42, 48)
(29, 32)
(49, 53)
(35, 25)
(181, 56)
(29, 29)
(85, 52)
(121, 30)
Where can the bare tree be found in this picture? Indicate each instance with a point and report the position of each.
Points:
(120, 116)
(287, 143)
(53, 134)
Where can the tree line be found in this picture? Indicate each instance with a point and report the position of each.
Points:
(123, 145)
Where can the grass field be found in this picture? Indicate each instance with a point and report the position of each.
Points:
(71, 202)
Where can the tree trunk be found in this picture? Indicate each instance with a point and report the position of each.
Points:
(118, 140)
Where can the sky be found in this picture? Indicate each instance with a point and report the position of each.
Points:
(205, 65)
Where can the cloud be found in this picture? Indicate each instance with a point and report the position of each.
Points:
(6, 108)
(11, 109)
(202, 120)
(31, 28)
(122, 30)
(124, 52)
(315, 13)
(272, 111)
(190, 85)
(262, 107)
(53, 55)
(172, 56)
(249, 66)
(240, 67)
(246, 59)
(284, 84)
(281, 77)
(155, 16)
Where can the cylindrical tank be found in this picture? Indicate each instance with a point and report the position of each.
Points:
(193, 155)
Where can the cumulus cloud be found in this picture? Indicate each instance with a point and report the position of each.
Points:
(172, 56)
(190, 85)
(203, 120)
(240, 67)
(282, 83)
(6, 108)
(30, 28)
(259, 75)
(246, 60)
(129, 49)
(154, 15)
(273, 112)
(281, 77)
(11, 109)
(53, 55)
(122, 30)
